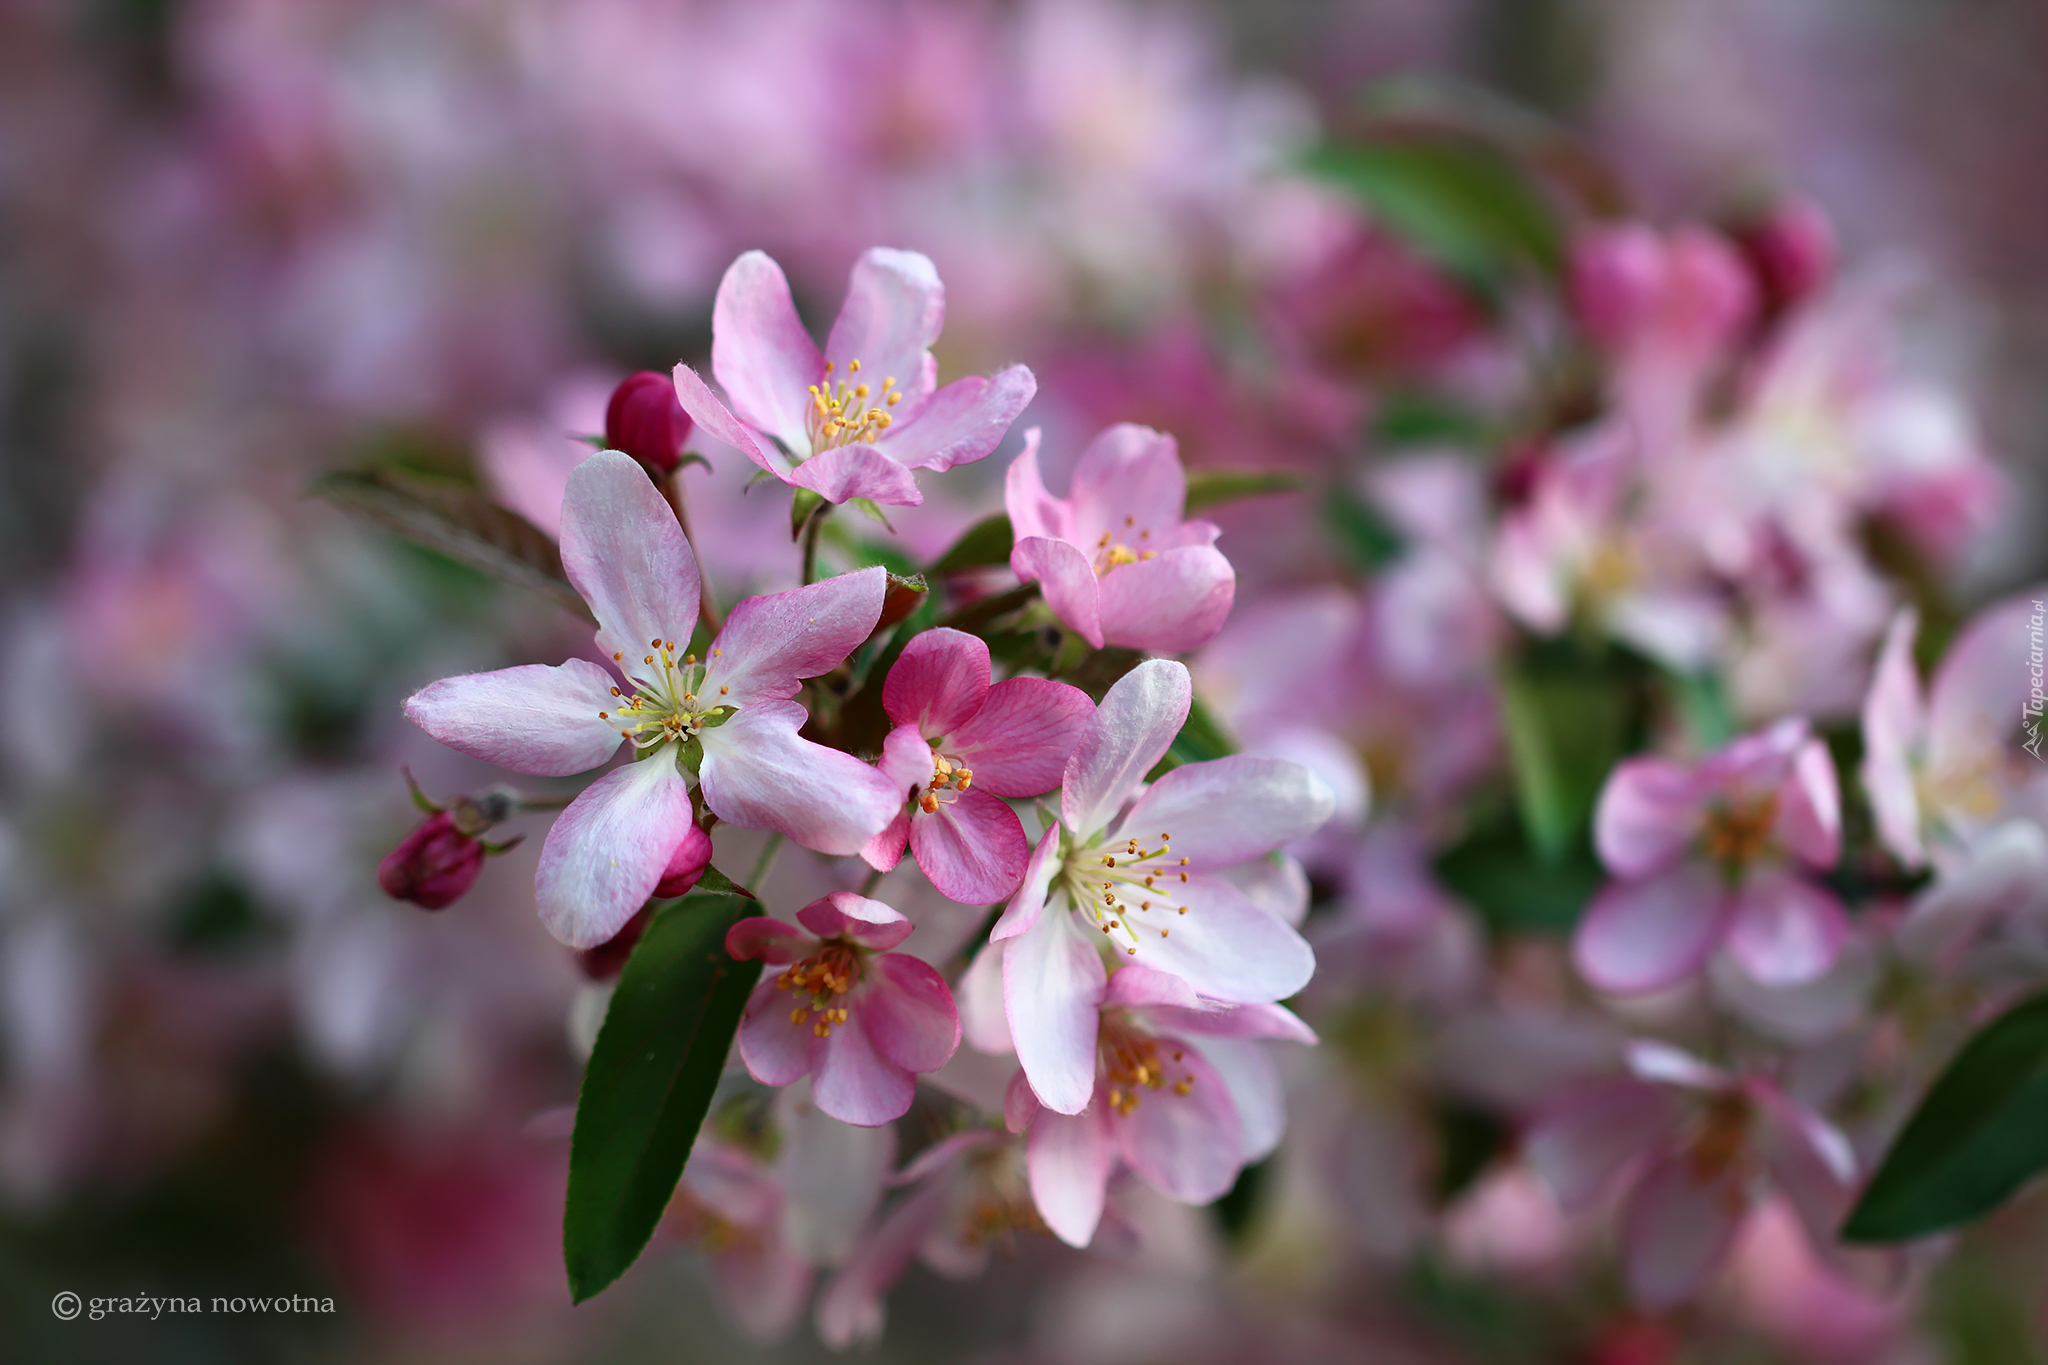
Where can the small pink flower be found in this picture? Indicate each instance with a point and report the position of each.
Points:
(1139, 880)
(1183, 1097)
(959, 746)
(1114, 558)
(1697, 1147)
(606, 853)
(1706, 855)
(858, 1019)
(855, 420)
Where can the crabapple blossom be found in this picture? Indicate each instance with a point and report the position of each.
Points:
(959, 746)
(856, 419)
(857, 1018)
(1697, 1146)
(628, 557)
(1114, 558)
(1139, 880)
(1709, 855)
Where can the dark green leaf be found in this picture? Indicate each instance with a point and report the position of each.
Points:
(985, 546)
(1980, 1133)
(1455, 200)
(458, 522)
(1495, 872)
(1565, 730)
(1208, 487)
(1358, 531)
(649, 1083)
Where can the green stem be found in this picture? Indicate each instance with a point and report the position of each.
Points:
(813, 524)
(764, 862)
(871, 881)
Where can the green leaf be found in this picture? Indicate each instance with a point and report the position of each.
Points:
(1454, 199)
(1208, 487)
(1515, 892)
(1565, 730)
(985, 545)
(458, 522)
(1359, 532)
(1980, 1133)
(649, 1083)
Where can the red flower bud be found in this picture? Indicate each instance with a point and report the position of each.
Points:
(685, 866)
(1791, 251)
(608, 959)
(645, 421)
(433, 866)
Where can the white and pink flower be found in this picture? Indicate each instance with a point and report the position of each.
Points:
(854, 420)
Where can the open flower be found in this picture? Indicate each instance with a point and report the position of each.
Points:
(624, 551)
(858, 1019)
(1708, 856)
(1114, 558)
(959, 746)
(1183, 1097)
(730, 1205)
(853, 421)
(1698, 1148)
(1141, 883)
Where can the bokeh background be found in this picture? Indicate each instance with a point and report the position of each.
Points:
(243, 242)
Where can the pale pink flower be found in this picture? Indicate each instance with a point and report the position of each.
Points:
(1114, 558)
(1697, 1147)
(631, 562)
(730, 1205)
(858, 1019)
(1183, 1097)
(1140, 880)
(1708, 855)
(854, 420)
(958, 748)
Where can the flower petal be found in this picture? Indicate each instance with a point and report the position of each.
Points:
(1019, 742)
(1068, 1159)
(685, 866)
(760, 352)
(856, 1084)
(763, 938)
(1028, 905)
(849, 915)
(980, 1001)
(937, 683)
(715, 419)
(1170, 604)
(1139, 987)
(1052, 979)
(1786, 930)
(972, 848)
(1894, 721)
(1127, 472)
(777, 1048)
(1588, 1134)
(1032, 510)
(963, 422)
(1188, 1147)
(759, 774)
(531, 719)
(857, 471)
(1649, 810)
(1677, 1229)
(885, 850)
(626, 553)
(607, 851)
(894, 308)
(1810, 808)
(772, 642)
(1248, 1074)
(1131, 730)
(909, 1014)
(851, 1308)
(1227, 947)
(1066, 580)
(1643, 936)
(1229, 810)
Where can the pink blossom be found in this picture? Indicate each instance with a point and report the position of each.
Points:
(1707, 855)
(631, 562)
(959, 746)
(854, 420)
(1696, 1146)
(1182, 1096)
(864, 1020)
(1114, 558)
(1140, 879)
(730, 1204)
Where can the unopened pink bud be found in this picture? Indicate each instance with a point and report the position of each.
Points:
(686, 865)
(1791, 252)
(1617, 275)
(645, 420)
(434, 866)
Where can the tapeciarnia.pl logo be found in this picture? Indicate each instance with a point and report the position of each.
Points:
(2030, 714)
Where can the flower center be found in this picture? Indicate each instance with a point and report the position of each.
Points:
(1114, 549)
(846, 412)
(693, 1221)
(823, 979)
(1131, 1063)
(1116, 885)
(949, 775)
(1738, 833)
(664, 707)
(1723, 1137)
